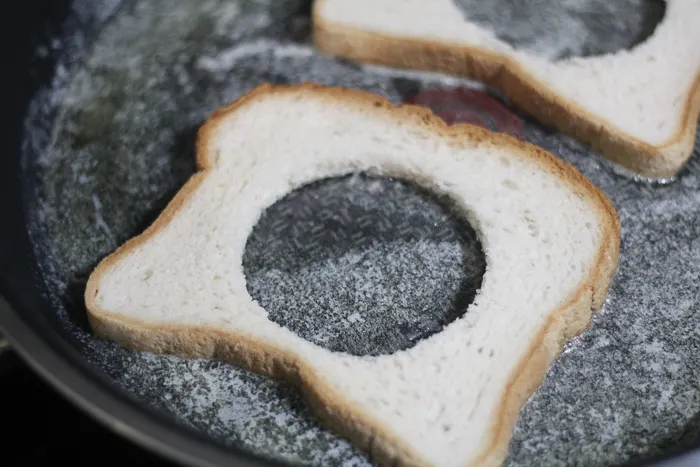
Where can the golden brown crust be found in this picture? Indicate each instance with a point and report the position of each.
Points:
(257, 355)
(507, 75)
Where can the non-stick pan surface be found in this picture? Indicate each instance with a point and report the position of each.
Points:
(105, 106)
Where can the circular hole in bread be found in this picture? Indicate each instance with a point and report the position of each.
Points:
(561, 29)
(363, 264)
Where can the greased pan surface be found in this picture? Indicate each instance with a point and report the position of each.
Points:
(111, 140)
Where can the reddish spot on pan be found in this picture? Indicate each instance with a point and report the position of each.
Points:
(465, 105)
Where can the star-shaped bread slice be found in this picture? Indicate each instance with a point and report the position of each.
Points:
(550, 237)
(638, 107)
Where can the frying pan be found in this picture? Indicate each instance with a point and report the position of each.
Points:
(28, 311)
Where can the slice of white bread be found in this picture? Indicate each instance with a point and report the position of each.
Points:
(639, 108)
(550, 237)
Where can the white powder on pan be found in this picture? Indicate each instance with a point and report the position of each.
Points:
(126, 136)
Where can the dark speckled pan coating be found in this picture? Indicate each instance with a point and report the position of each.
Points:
(123, 145)
(567, 28)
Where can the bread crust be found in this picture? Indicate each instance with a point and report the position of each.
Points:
(524, 90)
(353, 423)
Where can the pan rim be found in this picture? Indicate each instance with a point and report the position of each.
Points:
(121, 416)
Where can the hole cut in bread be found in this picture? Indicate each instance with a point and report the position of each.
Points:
(362, 264)
(638, 107)
(452, 399)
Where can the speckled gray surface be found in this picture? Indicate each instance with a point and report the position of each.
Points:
(377, 264)
(567, 28)
(122, 146)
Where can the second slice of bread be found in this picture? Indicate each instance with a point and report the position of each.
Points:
(638, 107)
(550, 237)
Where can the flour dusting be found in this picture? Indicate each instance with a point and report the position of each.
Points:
(558, 29)
(114, 141)
(363, 265)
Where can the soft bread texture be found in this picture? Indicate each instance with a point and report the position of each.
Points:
(551, 240)
(639, 108)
